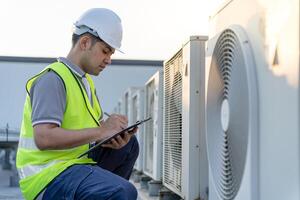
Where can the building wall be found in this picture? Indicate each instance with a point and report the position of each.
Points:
(110, 84)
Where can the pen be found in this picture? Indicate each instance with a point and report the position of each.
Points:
(105, 113)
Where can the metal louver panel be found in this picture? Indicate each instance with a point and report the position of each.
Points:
(135, 118)
(149, 127)
(172, 162)
(119, 107)
(137, 99)
(152, 140)
(126, 101)
(230, 111)
(135, 109)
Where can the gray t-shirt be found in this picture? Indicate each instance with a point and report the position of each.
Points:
(48, 95)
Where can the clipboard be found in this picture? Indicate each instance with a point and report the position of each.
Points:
(128, 129)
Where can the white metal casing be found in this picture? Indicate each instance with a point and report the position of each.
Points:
(119, 106)
(138, 114)
(193, 172)
(152, 162)
(127, 103)
(272, 28)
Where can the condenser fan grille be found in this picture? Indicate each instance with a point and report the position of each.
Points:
(149, 131)
(126, 103)
(134, 117)
(173, 123)
(135, 109)
(228, 114)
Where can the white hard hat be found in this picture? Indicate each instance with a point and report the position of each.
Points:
(102, 23)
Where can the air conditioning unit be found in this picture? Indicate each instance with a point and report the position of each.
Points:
(127, 103)
(252, 100)
(184, 158)
(118, 107)
(115, 109)
(137, 100)
(152, 152)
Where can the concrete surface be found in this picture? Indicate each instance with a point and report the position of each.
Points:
(6, 192)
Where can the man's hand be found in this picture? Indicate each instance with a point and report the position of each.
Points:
(121, 140)
(114, 124)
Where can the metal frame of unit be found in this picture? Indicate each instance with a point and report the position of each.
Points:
(115, 110)
(252, 98)
(185, 162)
(137, 100)
(118, 107)
(127, 103)
(152, 152)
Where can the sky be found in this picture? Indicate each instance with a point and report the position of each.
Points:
(153, 29)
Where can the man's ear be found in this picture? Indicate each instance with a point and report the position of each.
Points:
(85, 42)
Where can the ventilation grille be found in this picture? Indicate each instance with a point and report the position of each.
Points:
(227, 115)
(135, 108)
(126, 104)
(149, 127)
(134, 119)
(172, 173)
(119, 108)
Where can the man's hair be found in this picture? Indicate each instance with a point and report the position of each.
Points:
(76, 37)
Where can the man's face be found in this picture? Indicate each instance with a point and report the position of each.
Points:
(97, 56)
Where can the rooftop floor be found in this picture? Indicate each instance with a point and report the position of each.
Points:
(7, 192)
(14, 193)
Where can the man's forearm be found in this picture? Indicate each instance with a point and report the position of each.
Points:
(49, 136)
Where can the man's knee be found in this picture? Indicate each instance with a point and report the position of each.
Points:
(130, 190)
(123, 190)
(126, 191)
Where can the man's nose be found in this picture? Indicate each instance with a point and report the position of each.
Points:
(108, 60)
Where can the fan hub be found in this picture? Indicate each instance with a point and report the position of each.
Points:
(225, 115)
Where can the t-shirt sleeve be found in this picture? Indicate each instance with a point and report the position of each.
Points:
(48, 99)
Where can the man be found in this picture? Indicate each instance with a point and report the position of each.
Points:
(62, 116)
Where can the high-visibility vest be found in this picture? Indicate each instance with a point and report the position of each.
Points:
(37, 168)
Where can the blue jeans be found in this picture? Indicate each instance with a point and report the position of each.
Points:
(108, 180)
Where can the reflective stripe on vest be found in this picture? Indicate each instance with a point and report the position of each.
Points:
(27, 143)
(30, 170)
